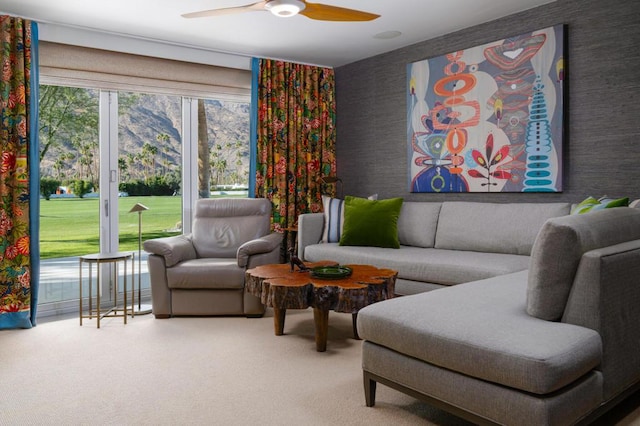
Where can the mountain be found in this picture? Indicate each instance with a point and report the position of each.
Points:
(149, 139)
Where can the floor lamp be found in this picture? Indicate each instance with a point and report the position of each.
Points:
(142, 309)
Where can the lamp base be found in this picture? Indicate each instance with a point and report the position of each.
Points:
(142, 309)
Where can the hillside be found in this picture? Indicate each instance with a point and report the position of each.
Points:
(149, 137)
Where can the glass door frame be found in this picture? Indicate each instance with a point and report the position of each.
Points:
(109, 182)
(189, 161)
(110, 177)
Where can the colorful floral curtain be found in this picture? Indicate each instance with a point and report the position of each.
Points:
(18, 140)
(296, 134)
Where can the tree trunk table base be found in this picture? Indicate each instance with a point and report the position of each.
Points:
(280, 288)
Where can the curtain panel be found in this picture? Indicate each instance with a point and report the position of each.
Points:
(296, 133)
(18, 87)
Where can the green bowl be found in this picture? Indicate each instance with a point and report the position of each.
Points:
(330, 272)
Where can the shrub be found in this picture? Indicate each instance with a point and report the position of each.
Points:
(157, 185)
(48, 186)
(81, 187)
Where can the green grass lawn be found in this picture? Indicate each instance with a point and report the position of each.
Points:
(70, 226)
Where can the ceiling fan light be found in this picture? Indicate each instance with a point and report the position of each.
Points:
(285, 8)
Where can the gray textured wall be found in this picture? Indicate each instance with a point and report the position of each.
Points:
(602, 105)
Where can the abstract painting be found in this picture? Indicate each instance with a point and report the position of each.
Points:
(489, 118)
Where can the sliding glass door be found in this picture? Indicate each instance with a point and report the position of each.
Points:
(149, 161)
(70, 187)
(105, 153)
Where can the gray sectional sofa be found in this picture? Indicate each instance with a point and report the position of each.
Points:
(551, 341)
(442, 243)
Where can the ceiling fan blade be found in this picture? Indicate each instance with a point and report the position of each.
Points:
(324, 12)
(259, 6)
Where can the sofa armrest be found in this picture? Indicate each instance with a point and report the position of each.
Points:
(604, 297)
(174, 249)
(310, 226)
(260, 245)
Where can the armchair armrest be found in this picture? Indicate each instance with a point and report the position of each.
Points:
(174, 249)
(260, 245)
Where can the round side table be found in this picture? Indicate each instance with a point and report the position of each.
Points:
(114, 259)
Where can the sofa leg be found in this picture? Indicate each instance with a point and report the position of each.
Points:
(369, 389)
(162, 316)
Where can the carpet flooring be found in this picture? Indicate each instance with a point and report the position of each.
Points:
(200, 371)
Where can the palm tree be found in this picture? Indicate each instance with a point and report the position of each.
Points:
(148, 158)
(58, 166)
(162, 139)
(204, 190)
(122, 167)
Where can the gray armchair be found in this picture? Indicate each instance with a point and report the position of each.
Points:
(203, 273)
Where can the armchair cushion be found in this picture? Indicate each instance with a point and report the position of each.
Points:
(265, 244)
(206, 273)
(221, 226)
(173, 249)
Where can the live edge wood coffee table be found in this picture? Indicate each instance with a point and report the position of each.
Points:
(281, 289)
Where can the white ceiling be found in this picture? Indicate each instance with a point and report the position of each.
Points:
(261, 34)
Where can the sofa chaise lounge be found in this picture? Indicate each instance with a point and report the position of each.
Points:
(556, 344)
(541, 327)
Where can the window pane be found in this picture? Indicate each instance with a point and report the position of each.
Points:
(149, 159)
(69, 168)
(223, 148)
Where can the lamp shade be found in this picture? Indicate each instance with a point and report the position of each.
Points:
(285, 8)
(333, 180)
(138, 208)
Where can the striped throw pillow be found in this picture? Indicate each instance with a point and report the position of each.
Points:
(333, 219)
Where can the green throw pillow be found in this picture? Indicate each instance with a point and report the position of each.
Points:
(371, 222)
(591, 204)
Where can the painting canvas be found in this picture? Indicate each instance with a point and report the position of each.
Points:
(489, 118)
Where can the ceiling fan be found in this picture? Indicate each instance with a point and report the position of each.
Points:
(289, 8)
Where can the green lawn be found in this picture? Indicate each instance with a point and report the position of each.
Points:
(70, 226)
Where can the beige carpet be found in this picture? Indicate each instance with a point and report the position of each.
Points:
(197, 371)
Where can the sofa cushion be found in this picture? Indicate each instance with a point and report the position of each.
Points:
(206, 273)
(456, 328)
(558, 248)
(417, 223)
(445, 267)
(592, 204)
(499, 404)
(371, 222)
(333, 209)
(492, 227)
